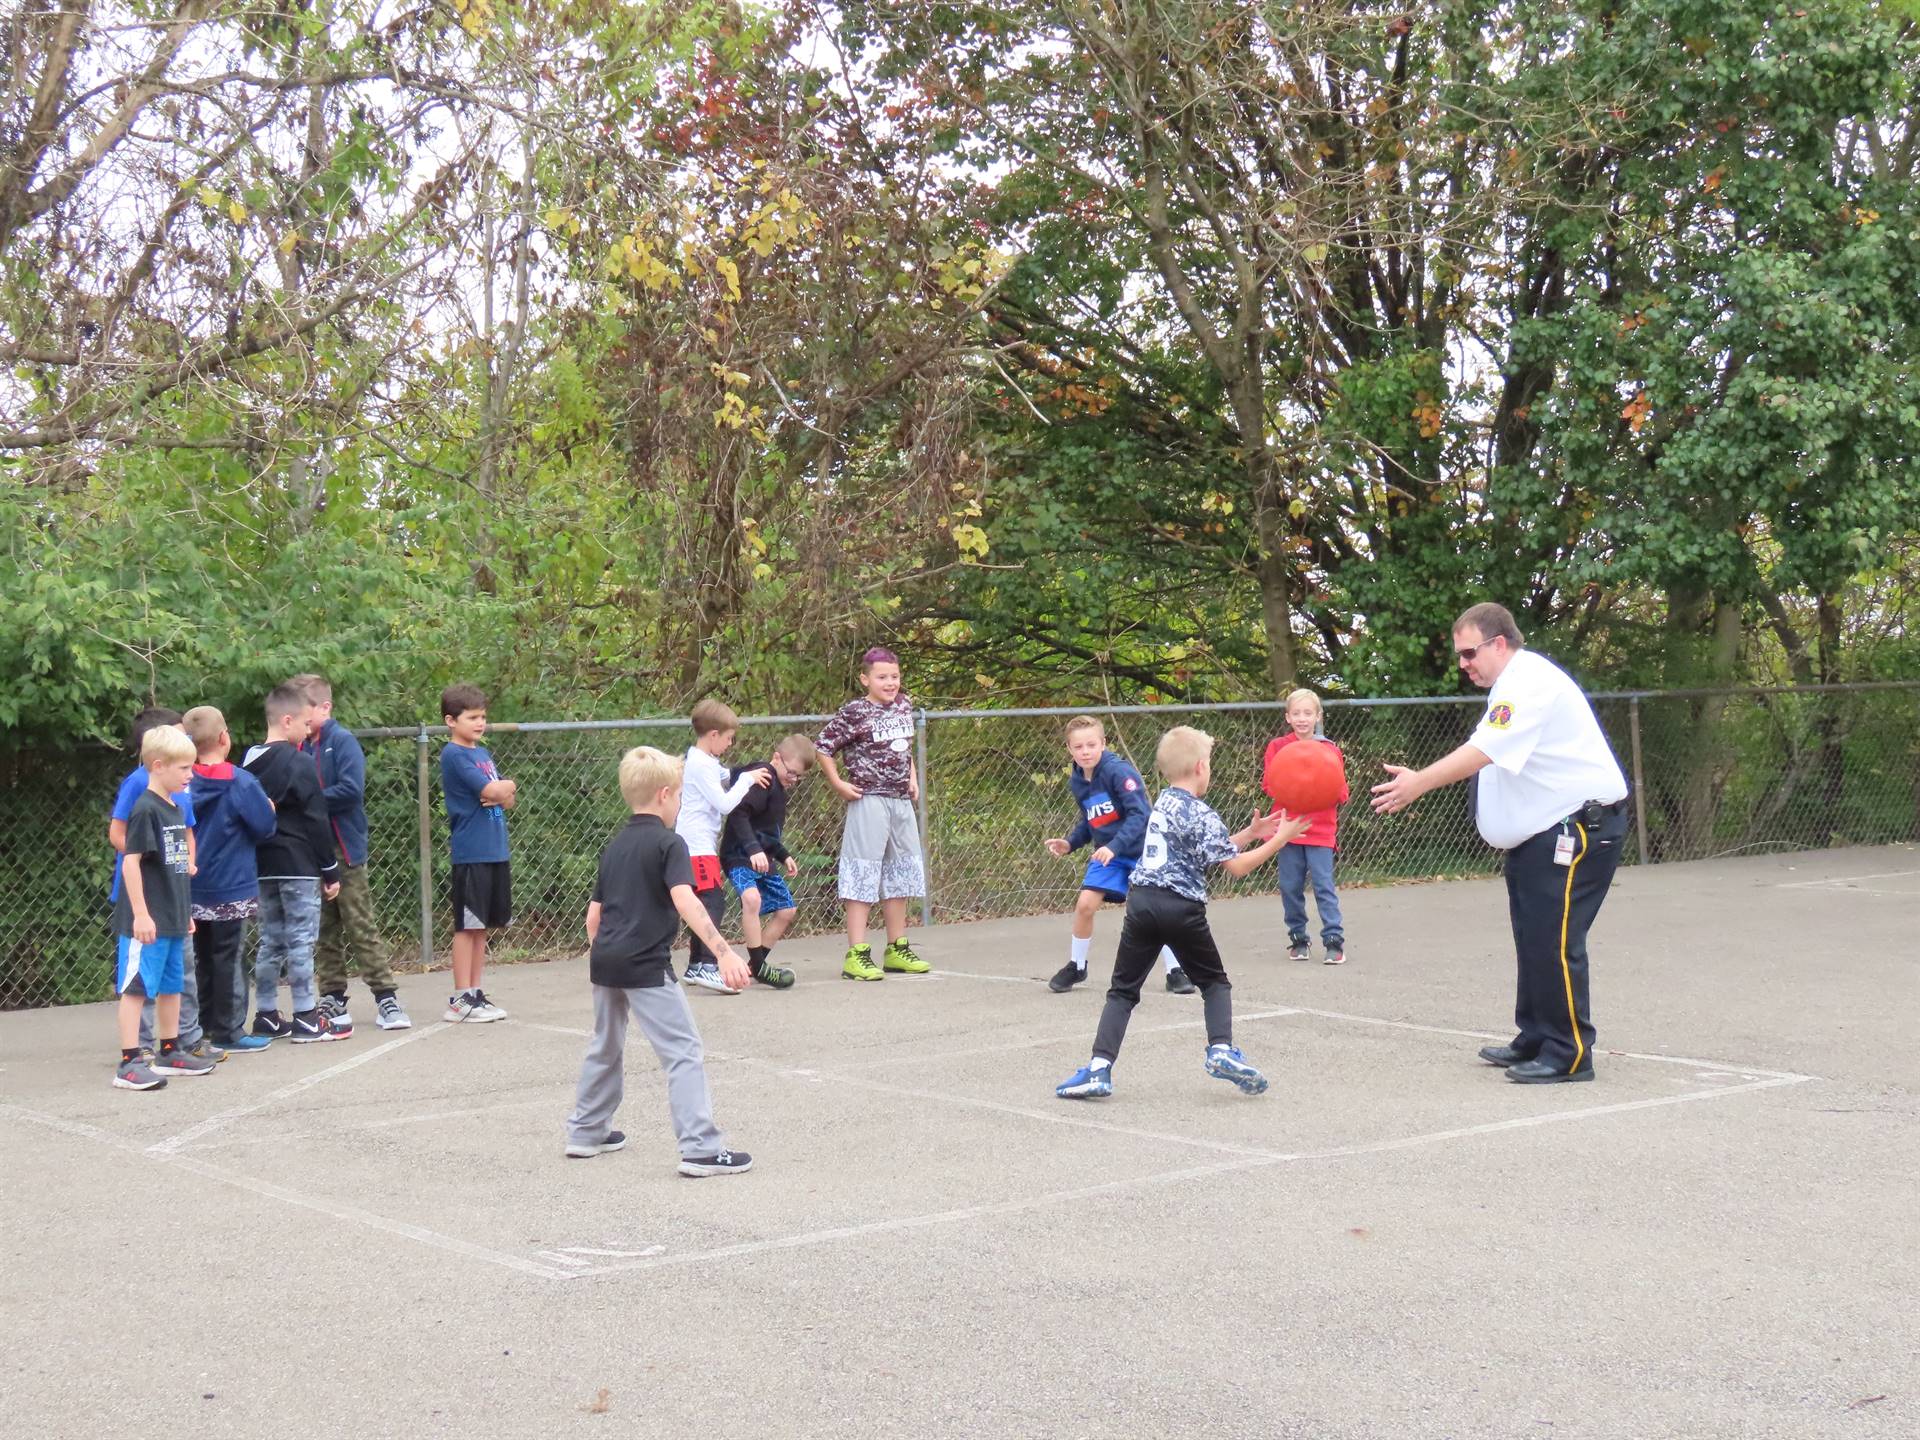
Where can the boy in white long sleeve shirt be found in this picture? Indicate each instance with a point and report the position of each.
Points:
(704, 806)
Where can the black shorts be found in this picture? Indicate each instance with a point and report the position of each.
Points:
(482, 895)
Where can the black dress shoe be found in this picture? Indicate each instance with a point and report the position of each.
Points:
(1178, 983)
(1540, 1072)
(1503, 1055)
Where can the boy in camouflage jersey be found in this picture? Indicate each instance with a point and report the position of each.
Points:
(1167, 905)
(880, 844)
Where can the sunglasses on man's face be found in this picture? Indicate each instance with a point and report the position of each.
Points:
(1467, 652)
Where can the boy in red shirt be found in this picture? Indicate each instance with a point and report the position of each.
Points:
(1310, 856)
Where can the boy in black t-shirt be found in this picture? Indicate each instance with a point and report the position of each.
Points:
(643, 893)
(151, 915)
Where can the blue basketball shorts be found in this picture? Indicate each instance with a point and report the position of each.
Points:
(1109, 879)
(158, 967)
(774, 894)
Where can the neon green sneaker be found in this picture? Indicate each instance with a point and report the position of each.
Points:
(901, 960)
(860, 964)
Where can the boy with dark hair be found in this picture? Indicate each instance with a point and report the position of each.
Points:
(151, 916)
(643, 892)
(706, 801)
(347, 925)
(752, 846)
(131, 789)
(298, 870)
(880, 860)
(1167, 905)
(1113, 811)
(482, 883)
(235, 817)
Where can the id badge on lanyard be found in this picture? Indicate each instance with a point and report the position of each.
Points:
(1563, 848)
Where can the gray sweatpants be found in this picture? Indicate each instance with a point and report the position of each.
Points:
(666, 1020)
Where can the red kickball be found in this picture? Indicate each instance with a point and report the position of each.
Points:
(1306, 776)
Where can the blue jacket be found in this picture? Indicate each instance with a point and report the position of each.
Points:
(232, 815)
(1113, 807)
(343, 780)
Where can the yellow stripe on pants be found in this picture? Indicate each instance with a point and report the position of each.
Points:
(1566, 972)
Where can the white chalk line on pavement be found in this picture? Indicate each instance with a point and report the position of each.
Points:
(351, 1214)
(174, 1143)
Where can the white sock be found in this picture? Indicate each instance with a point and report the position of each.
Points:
(1080, 948)
(1098, 1064)
(1166, 958)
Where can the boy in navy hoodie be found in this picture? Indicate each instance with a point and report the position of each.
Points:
(298, 869)
(348, 929)
(233, 816)
(1113, 817)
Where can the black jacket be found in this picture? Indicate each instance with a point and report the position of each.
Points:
(302, 843)
(756, 822)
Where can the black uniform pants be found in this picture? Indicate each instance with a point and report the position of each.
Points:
(1157, 917)
(715, 903)
(216, 962)
(1552, 906)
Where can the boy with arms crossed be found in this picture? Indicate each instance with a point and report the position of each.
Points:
(643, 893)
(482, 883)
(1167, 905)
(880, 843)
(1113, 811)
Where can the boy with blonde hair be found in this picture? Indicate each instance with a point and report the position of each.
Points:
(152, 916)
(1113, 804)
(1311, 856)
(1167, 905)
(706, 802)
(750, 848)
(643, 891)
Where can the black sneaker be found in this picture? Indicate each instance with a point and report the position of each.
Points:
(587, 1149)
(310, 1027)
(272, 1025)
(727, 1162)
(1298, 949)
(1068, 976)
(1178, 983)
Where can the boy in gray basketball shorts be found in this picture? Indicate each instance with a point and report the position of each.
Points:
(880, 846)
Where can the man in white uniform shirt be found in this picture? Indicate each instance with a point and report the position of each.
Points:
(1553, 797)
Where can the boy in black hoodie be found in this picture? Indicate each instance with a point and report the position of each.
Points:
(297, 867)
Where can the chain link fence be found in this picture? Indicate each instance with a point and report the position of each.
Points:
(1715, 773)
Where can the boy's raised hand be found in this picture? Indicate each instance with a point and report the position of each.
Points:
(1264, 827)
(1057, 848)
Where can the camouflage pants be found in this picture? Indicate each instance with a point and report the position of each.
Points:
(348, 929)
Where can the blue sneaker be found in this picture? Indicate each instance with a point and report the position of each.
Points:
(1225, 1062)
(1086, 1083)
(246, 1045)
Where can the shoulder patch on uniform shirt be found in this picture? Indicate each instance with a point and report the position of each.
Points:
(1500, 716)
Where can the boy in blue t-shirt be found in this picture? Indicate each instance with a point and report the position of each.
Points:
(477, 803)
(192, 1036)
